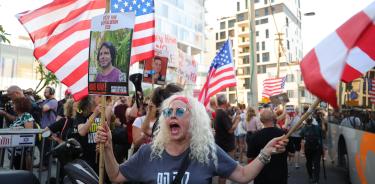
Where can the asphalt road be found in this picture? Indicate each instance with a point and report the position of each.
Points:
(335, 175)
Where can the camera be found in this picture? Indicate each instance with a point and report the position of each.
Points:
(5, 102)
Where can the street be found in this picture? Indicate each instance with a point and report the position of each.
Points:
(335, 174)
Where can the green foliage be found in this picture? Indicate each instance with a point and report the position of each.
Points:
(46, 78)
(3, 35)
(121, 39)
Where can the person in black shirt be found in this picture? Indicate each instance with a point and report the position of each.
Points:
(64, 128)
(313, 148)
(88, 120)
(224, 128)
(276, 172)
(60, 105)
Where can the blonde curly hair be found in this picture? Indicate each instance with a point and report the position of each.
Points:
(202, 142)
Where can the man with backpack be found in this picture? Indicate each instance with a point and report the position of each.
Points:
(312, 133)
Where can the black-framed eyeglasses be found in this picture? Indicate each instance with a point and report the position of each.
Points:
(179, 112)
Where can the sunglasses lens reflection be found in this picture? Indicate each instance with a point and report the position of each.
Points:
(168, 112)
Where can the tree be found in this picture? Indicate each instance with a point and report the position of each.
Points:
(46, 78)
(3, 35)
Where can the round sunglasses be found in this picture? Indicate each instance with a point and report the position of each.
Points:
(180, 111)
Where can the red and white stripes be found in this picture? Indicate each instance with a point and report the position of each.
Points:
(344, 55)
(61, 32)
(143, 38)
(273, 87)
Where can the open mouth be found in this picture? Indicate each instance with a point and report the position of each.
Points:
(174, 128)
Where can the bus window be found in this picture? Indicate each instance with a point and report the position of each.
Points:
(370, 125)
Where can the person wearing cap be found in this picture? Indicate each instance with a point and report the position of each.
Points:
(184, 133)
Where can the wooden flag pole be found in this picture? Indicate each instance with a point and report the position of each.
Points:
(303, 118)
(101, 145)
(102, 120)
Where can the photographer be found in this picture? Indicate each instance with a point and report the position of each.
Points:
(13, 92)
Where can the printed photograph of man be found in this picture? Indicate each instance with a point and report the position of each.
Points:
(155, 70)
(106, 58)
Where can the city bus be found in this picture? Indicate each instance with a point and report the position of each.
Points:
(351, 132)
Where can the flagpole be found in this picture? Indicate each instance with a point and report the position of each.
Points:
(102, 120)
(101, 145)
(303, 118)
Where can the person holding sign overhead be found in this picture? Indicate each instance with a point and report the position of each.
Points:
(106, 58)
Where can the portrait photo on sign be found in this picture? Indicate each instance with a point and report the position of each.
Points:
(281, 98)
(155, 70)
(110, 52)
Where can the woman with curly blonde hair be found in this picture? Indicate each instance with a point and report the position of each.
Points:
(184, 135)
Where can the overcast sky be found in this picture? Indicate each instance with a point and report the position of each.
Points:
(329, 15)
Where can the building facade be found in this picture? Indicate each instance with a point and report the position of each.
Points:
(19, 67)
(183, 20)
(277, 42)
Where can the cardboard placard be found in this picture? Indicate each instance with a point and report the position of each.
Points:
(155, 70)
(110, 52)
(281, 98)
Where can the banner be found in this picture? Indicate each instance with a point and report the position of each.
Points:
(187, 69)
(110, 51)
(166, 46)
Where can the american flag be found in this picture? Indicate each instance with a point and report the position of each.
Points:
(371, 91)
(60, 32)
(272, 87)
(144, 28)
(221, 74)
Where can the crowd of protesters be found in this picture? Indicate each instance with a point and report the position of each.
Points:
(245, 131)
(237, 143)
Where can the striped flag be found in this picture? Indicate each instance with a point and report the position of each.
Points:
(220, 75)
(272, 87)
(144, 28)
(60, 32)
(371, 91)
(345, 54)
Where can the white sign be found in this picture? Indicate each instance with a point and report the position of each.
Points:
(5, 141)
(187, 69)
(17, 140)
(23, 140)
(166, 46)
(113, 21)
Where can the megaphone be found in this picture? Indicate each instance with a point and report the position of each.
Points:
(137, 81)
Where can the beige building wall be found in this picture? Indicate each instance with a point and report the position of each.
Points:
(286, 21)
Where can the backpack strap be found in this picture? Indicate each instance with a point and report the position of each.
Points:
(351, 122)
(154, 127)
(181, 172)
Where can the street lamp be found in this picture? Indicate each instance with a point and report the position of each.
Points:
(309, 14)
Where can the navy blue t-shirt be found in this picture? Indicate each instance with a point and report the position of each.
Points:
(141, 168)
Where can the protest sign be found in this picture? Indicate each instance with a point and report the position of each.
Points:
(281, 98)
(110, 49)
(155, 70)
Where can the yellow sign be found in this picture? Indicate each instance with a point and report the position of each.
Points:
(352, 102)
